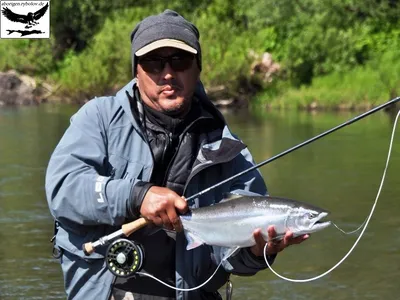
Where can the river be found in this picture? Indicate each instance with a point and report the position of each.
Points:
(340, 172)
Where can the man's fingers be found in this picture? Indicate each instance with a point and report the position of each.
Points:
(181, 205)
(299, 239)
(290, 240)
(258, 237)
(287, 239)
(258, 248)
(166, 221)
(275, 243)
(156, 220)
(271, 234)
(174, 219)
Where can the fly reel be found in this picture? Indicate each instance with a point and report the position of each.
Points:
(124, 257)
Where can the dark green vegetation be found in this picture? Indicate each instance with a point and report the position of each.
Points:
(332, 53)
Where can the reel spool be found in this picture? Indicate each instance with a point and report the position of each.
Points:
(124, 257)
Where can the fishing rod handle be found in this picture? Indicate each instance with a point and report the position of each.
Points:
(131, 227)
(126, 229)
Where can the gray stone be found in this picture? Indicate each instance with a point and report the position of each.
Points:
(17, 89)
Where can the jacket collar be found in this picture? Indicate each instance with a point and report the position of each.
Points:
(127, 91)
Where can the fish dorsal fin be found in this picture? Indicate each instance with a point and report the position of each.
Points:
(230, 196)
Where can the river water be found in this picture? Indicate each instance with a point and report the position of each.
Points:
(340, 172)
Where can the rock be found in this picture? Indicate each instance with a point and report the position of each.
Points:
(264, 67)
(221, 96)
(224, 102)
(217, 92)
(17, 89)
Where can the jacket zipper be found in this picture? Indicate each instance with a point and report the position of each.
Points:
(167, 145)
(179, 145)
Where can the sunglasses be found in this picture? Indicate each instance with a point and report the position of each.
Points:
(178, 62)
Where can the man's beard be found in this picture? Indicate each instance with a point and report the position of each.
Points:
(178, 111)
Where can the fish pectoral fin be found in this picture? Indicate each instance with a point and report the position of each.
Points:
(193, 241)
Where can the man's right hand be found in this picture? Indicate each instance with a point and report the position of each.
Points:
(160, 205)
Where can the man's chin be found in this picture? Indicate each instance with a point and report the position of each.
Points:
(174, 105)
(175, 110)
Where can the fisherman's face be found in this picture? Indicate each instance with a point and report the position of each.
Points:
(166, 79)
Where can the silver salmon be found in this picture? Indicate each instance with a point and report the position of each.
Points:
(231, 222)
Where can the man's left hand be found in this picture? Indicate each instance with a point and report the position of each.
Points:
(274, 245)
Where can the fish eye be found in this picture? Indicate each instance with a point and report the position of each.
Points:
(311, 215)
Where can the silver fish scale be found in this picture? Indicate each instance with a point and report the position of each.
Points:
(242, 206)
(231, 223)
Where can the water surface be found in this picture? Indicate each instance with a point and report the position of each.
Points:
(340, 172)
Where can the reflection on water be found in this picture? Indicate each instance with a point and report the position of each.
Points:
(340, 172)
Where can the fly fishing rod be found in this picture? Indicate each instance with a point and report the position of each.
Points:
(351, 121)
(131, 227)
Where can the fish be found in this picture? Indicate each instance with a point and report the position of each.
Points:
(231, 222)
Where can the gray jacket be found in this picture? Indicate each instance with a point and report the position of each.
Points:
(89, 181)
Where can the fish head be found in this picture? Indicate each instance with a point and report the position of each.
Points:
(304, 220)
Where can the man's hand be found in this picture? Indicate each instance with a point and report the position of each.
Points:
(274, 245)
(160, 206)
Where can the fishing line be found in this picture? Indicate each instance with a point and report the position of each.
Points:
(353, 231)
(193, 288)
(362, 232)
(366, 222)
(130, 227)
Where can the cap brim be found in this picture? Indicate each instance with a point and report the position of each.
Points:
(165, 43)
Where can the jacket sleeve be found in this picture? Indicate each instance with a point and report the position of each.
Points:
(79, 184)
(244, 262)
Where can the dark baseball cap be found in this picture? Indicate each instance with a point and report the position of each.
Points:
(168, 29)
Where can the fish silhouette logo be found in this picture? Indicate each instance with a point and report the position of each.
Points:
(28, 18)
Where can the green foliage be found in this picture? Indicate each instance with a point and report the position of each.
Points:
(227, 43)
(76, 22)
(32, 57)
(318, 37)
(106, 62)
(322, 44)
(228, 54)
(374, 83)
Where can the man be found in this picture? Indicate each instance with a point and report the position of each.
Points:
(136, 154)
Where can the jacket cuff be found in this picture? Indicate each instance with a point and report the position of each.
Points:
(260, 259)
(138, 192)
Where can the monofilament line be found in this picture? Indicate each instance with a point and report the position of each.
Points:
(193, 288)
(362, 232)
(265, 247)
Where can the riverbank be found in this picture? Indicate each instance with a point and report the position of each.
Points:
(328, 55)
(359, 88)
(265, 87)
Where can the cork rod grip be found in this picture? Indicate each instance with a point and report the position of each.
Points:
(131, 227)
(126, 229)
